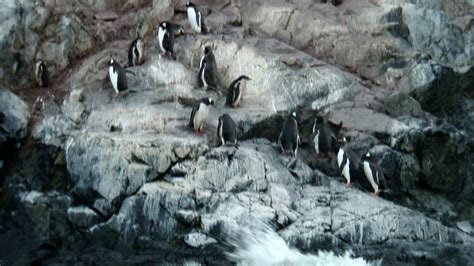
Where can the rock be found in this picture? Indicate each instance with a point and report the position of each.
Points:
(465, 226)
(198, 240)
(437, 88)
(402, 104)
(237, 184)
(188, 217)
(83, 217)
(14, 117)
(106, 16)
(396, 25)
(47, 212)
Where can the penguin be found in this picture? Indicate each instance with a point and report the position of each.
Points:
(135, 52)
(347, 163)
(323, 138)
(199, 114)
(234, 93)
(208, 70)
(177, 29)
(289, 138)
(227, 131)
(196, 19)
(118, 77)
(166, 36)
(42, 74)
(374, 174)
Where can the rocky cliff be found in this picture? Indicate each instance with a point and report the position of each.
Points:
(88, 177)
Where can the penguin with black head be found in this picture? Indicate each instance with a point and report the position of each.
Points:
(289, 138)
(227, 131)
(196, 18)
(347, 162)
(207, 76)
(323, 137)
(200, 113)
(234, 93)
(42, 74)
(117, 77)
(374, 174)
(166, 35)
(136, 52)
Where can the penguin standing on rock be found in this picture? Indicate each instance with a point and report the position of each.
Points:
(196, 19)
(234, 94)
(166, 34)
(227, 130)
(135, 52)
(117, 77)
(289, 138)
(374, 174)
(347, 163)
(200, 113)
(208, 70)
(323, 138)
(42, 74)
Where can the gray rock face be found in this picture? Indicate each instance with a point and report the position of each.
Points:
(14, 116)
(138, 175)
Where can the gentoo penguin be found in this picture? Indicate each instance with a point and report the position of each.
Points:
(200, 113)
(234, 93)
(208, 70)
(227, 130)
(166, 36)
(289, 138)
(196, 19)
(178, 30)
(135, 52)
(347, 163)
(323, 138)
(374, 174)
(117, 77)
(42, 74)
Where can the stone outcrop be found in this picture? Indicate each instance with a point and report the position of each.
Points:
(397, 75)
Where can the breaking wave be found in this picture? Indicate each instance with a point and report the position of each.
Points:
(263, 246)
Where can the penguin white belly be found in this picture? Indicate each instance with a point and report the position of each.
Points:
(221, 137)
(340, 157)
(346, 173)
(239, 95)
(316, 144)
(161, 36)
(113, 78)
(203, 79)
(200, 116)
(368, 173)
(192, 19)
(200, 62)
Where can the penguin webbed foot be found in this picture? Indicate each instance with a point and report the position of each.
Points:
(348, 185)
(375, 194)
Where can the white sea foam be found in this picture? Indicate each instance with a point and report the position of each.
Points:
(263, 246)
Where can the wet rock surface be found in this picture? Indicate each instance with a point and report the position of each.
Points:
(124, 179)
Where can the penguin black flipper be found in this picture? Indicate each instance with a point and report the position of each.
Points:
(193, 113)
(45, 76)
(232, 92)
(122, 80)
(227, 130)
(131, 52)
(42, 74)
(210, 71)
(289, 137)
(168, 41)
